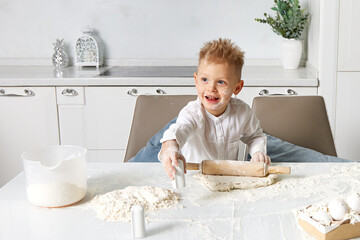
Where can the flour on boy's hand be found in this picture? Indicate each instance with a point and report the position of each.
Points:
(228, 183)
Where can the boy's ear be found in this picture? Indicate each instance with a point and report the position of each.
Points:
(195, 77)
(239, 86)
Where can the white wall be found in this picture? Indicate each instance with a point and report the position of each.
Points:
(136, 28)
(313, 33)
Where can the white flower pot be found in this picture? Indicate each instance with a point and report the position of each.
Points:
(291, 53)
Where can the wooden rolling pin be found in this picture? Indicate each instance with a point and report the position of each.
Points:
(236, 168)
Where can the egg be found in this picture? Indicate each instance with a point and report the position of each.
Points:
(353, 202)
(338, 209)
(322, 217)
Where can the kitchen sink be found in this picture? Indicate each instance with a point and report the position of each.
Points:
(150, 71)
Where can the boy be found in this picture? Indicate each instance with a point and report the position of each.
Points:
(213, 126)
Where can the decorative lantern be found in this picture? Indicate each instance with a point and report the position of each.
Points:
(89, 50)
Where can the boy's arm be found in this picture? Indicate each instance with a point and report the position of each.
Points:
(255, 139)
(169, 155)
(181, 130)
(257, 149)
(174, 139)
(257, 143)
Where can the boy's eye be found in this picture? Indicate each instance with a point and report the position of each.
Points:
(204, 79)
(221, 82)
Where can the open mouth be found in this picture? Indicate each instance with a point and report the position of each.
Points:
(212, 99)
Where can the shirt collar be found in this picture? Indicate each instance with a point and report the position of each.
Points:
(221, 117)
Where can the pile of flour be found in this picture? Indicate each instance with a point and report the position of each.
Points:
(116, 205)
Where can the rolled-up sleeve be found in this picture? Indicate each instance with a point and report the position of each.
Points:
(180, 131)
(253, 135)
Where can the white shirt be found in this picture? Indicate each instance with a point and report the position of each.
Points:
(201, 135)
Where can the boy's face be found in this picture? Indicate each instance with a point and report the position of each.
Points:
(215, 83)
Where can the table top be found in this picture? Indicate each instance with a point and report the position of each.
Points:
(262, 213)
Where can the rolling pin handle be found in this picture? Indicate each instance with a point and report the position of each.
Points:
(279, 169)
(192, 166)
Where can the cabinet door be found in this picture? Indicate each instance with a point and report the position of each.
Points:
(347, 131)
(248, 93)
(28, 120)
(108, 114)
(349, 36)
(71, 104)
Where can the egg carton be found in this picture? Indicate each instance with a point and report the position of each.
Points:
(338, 230)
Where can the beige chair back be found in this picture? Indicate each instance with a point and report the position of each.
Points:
(151, 114)
(301, 120)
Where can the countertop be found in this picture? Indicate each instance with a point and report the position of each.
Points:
(137, 76)
(262, 213)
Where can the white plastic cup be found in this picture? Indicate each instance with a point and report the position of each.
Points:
(179, 175)
(138, 221)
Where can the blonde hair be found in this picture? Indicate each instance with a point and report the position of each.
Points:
(223, 50)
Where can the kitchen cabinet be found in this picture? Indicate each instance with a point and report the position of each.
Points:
(348, 115)
(347, 128)
(99, 118)
(349, 36)
(28, 120)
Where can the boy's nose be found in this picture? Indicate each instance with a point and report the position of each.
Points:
(212, 87)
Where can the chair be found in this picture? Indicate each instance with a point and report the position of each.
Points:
(151, 114)
(301, 120)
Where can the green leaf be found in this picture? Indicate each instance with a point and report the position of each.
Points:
(289, 20)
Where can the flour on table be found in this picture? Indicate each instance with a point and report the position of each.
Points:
(227, 183)
(116, 205)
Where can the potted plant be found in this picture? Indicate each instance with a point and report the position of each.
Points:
(289, 22)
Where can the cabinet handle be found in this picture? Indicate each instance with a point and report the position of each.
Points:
(291, 92)
(160, 91)
(133, 92)
(69, 92)
(265, 92)
(28, 93)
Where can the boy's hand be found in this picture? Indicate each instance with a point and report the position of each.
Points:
(169, 156)
(261, 157)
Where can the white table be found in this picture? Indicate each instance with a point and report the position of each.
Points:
(263, 213)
